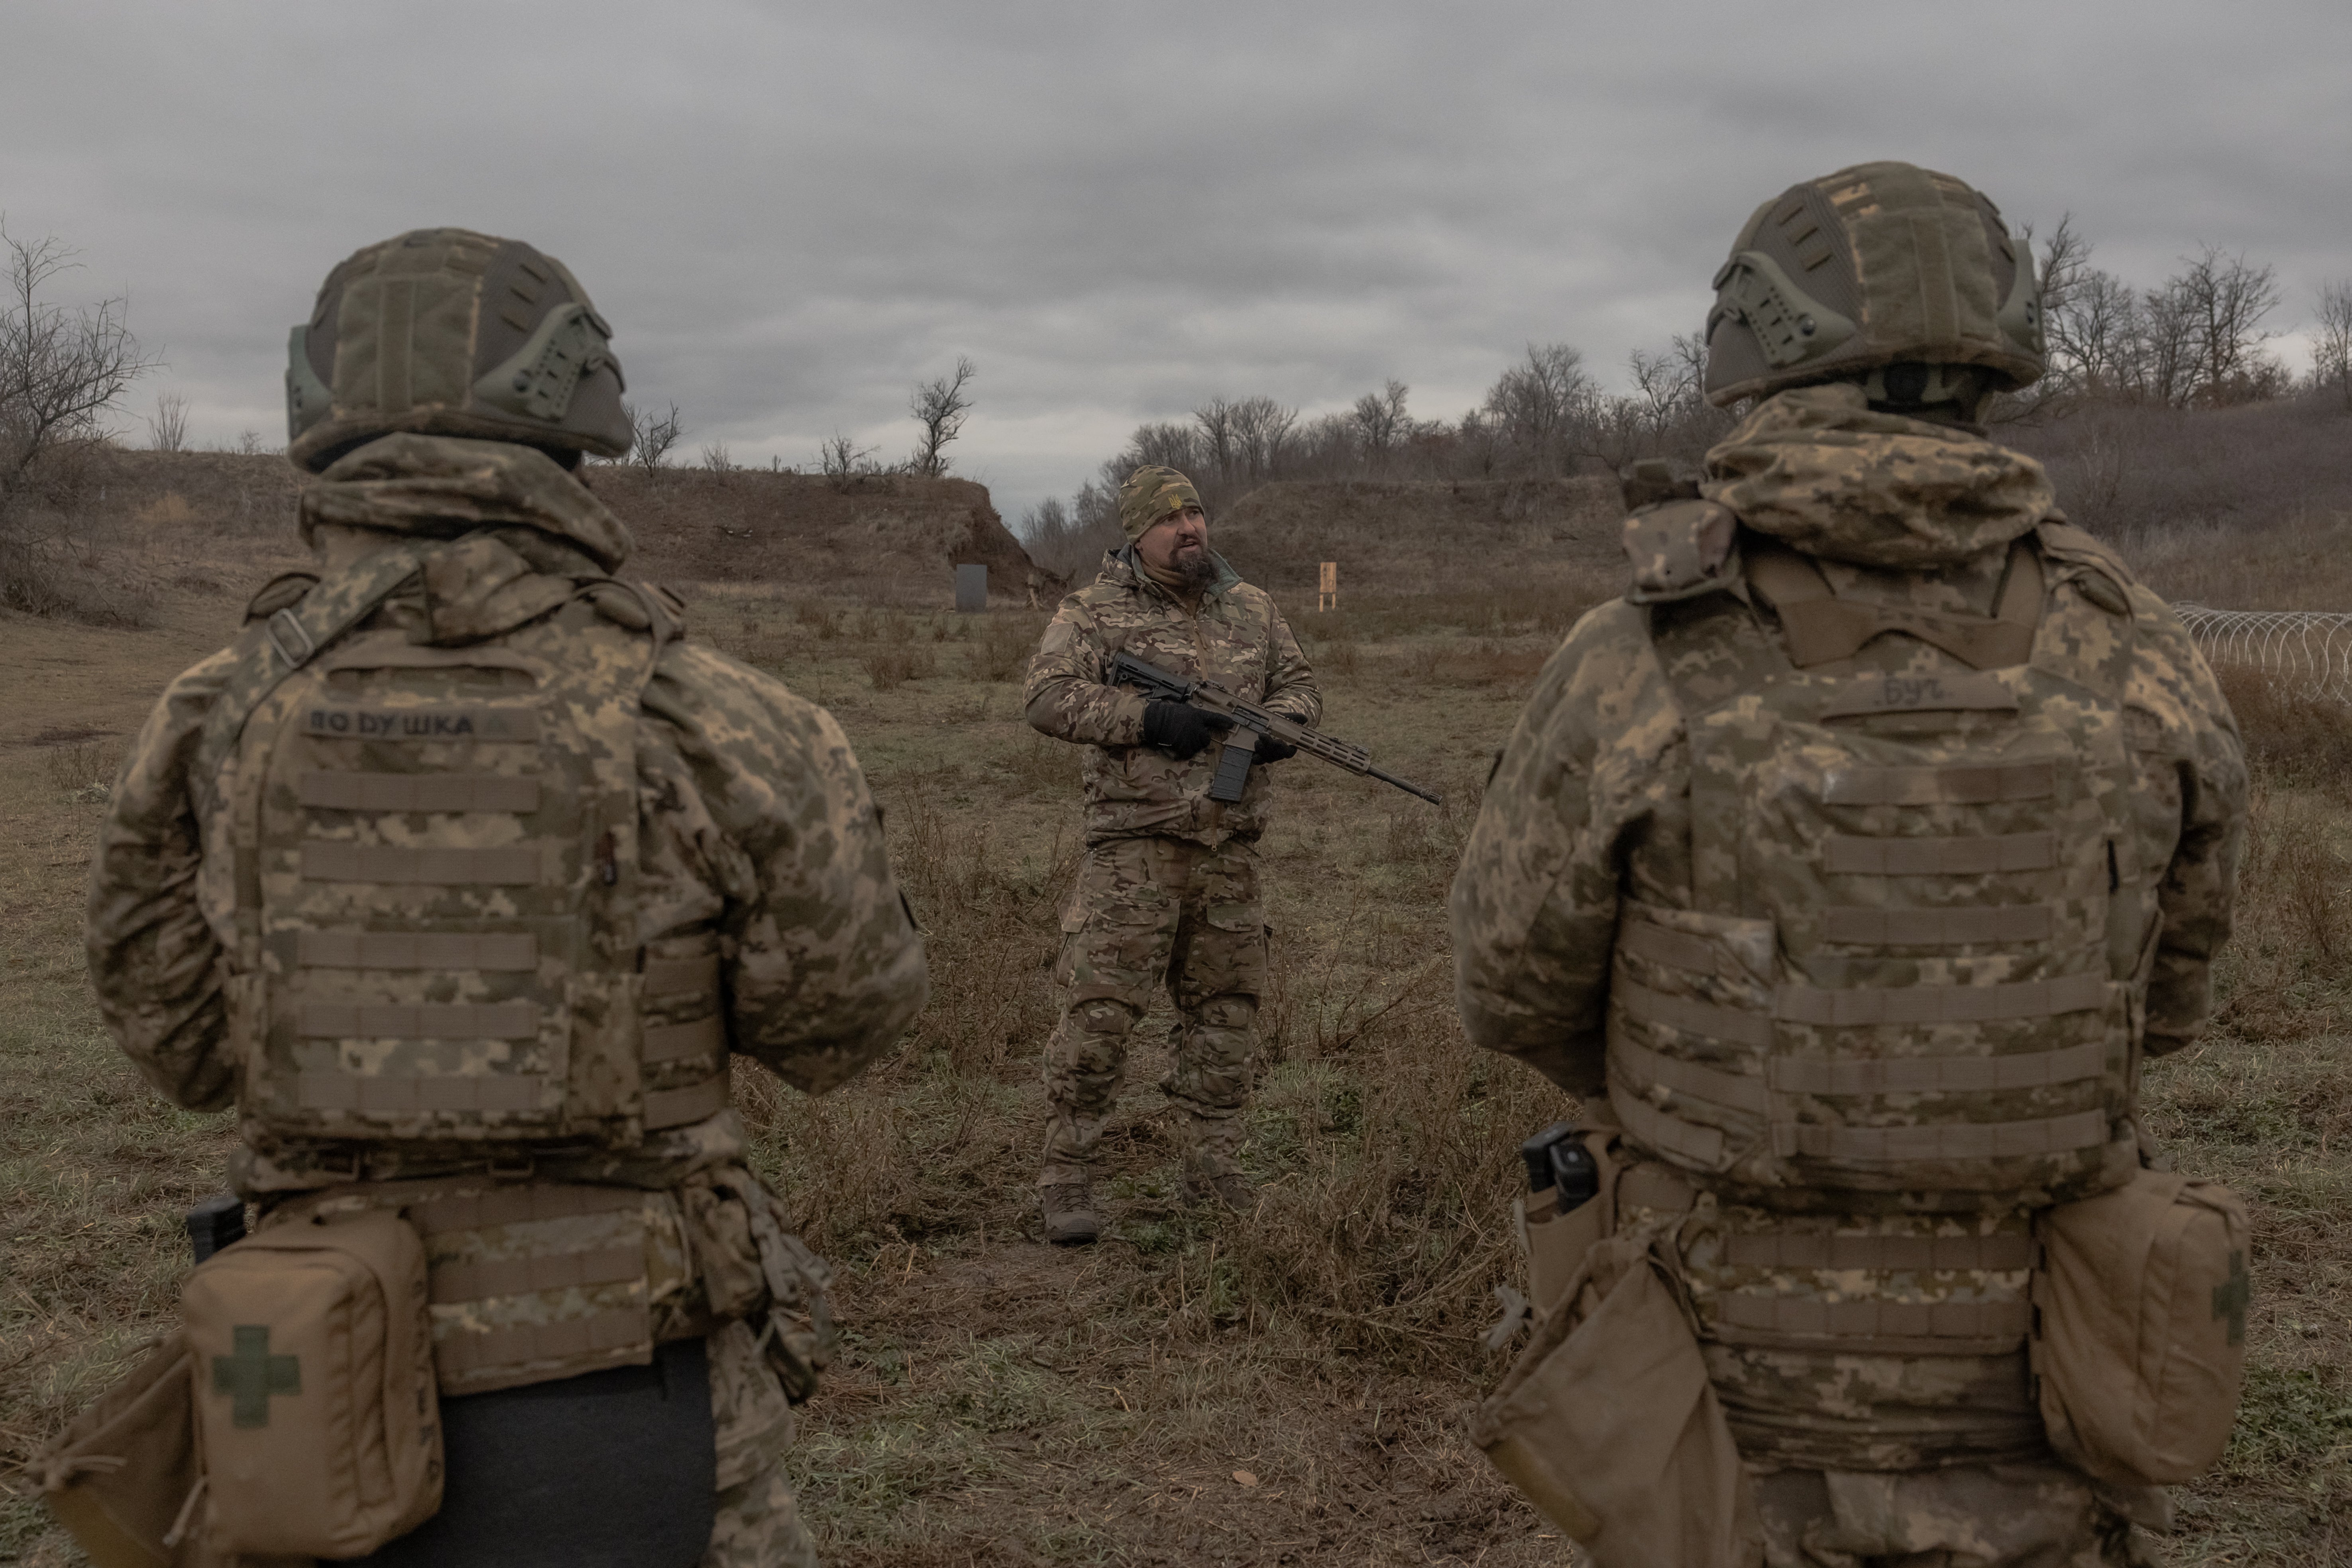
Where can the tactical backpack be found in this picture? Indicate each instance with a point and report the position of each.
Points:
(1920, 919)
(435, 853)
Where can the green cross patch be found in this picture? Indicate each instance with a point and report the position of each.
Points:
(252, 1374)
(2233, 1296)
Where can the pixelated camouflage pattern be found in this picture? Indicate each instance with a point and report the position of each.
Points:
(1818, 469)
(1151, 494)
(443, 487)
(1590, 811)
(1148, 912)
(1973, 1516)
(758, 1524)
(1236, 636)
(753, 834)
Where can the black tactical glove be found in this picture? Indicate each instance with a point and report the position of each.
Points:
(1180, 729)
(1270, 750)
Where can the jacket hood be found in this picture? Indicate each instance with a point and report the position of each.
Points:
(443, 487)
(1816, 468)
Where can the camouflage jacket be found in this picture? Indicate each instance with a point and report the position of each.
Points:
(755, 826)
(1236, 637)
(1588, 804)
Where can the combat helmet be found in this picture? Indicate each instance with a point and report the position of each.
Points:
(1876, 266)
(450, 332)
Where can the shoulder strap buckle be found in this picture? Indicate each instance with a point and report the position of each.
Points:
(286, 633)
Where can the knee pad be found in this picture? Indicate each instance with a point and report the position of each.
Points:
(1104, 1015)
(1230, 1011)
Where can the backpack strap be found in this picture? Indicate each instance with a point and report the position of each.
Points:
(273, 647)
(1823, 629)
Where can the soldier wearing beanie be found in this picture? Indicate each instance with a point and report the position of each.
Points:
(1169, 892)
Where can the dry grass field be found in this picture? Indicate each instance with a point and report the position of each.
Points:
(1285, 1387)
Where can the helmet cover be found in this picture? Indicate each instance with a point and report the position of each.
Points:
(449, 332)
(1876, 264)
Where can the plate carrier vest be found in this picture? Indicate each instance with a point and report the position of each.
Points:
(1919, 929)
(435, 854)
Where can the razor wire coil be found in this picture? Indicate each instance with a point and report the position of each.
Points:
(2312, 649)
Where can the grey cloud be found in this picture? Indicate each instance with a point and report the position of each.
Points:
(792, 213)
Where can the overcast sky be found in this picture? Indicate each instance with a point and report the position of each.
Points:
(792, 213)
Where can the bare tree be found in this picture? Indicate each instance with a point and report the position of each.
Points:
(1262, 430)
(61, 370)
(649, 446)
(2331, 349)
(940, 407)
(1537, 401)
(715, 459)
(249, 443)
(2167, 345)
(2225, 301)
(167, 429)
(1380, 422)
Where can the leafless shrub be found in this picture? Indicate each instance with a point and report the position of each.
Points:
(654, 438)
(715, 460)
(2331, 349)
(892, 665)
(167, 427)
(940, 407)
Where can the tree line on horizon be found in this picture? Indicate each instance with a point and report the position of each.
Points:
(2198, 339)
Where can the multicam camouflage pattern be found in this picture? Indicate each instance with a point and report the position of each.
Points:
(752, 835)
(1151, 494)
(2006, 1516)
(1236, 636)
(1590, 816)
(1145, 911)
(1872, 265)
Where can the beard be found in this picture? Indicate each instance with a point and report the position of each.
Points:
(1192, 568)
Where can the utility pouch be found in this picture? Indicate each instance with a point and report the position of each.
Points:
(316, 1417)
(1607, 1423)
(121, 1475)
(2138, 1349)
(798, 1337)
(1557, 1240)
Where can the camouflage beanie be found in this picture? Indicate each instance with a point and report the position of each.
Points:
(1149, 494)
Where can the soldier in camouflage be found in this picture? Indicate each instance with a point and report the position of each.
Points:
(293, 919)
(1855, 860)
(1169, 892)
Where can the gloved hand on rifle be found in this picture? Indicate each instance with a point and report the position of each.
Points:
(1180, 729)
(1270, 750)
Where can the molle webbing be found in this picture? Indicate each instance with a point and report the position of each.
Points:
(1866, 1076)
(509, 867)
(454, 1283)
(1857, 1324)
(410, 1095)
(1864, 926)
(2005, 1252)
(418, 791)
(468, 1358)
(492, 951)
(1957, 785)
(418, 1021)
(1846, 855)
(1821, 628)
(1943, 1142)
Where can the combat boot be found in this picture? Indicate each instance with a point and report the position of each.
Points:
(1068, 1204)
(1211, 1176)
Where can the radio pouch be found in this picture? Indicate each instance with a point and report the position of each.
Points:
(120, 1476)
(311, 1365)
(2139, 1343)
(1607, 1425)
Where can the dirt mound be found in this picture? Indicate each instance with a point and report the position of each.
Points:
(888, 539)
(1423, 536)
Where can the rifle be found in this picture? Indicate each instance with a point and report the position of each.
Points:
(1249, 721)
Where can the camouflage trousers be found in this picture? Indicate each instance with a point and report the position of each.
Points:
(759, 1523)
(1148, 912)
(1969, 1516)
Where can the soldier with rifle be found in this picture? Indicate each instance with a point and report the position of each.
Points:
(1162, 654)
